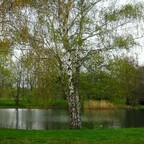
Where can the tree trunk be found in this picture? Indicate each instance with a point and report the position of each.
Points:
(78, 107)
(73, 97)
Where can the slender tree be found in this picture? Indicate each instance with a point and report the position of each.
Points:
(79, 29)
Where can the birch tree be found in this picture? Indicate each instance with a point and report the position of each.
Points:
(79, 29)
(73, 30)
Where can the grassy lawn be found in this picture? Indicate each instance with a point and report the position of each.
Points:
(84, 136)
(34, 104)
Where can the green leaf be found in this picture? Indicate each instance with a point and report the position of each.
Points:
(111, 16)
(131, 11)
(124, 42)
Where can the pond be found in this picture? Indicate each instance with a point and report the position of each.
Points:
(39, 119)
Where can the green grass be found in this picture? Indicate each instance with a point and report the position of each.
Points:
(60, 104)
(84, 136)
(33, 104)
(7, 103)
(22, 104)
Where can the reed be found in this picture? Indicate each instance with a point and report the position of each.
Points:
(102, 104)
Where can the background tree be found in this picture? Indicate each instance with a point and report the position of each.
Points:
(140, 90)
(5, 67)
(124, 71)
(116, 79)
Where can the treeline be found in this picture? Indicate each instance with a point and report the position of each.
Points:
(120, 81)
(33, 78)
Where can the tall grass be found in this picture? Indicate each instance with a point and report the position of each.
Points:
(102, 104)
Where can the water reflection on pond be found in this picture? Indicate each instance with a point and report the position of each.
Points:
(59, 119)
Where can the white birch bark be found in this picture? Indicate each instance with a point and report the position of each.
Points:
(71, 93)
(77, 98)
(78, 107)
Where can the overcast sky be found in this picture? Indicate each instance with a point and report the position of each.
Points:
(139, 51)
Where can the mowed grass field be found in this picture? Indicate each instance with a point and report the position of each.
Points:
(83, 136)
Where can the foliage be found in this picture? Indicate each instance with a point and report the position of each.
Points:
(122, 42)
(127, 11)
(118, 79)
